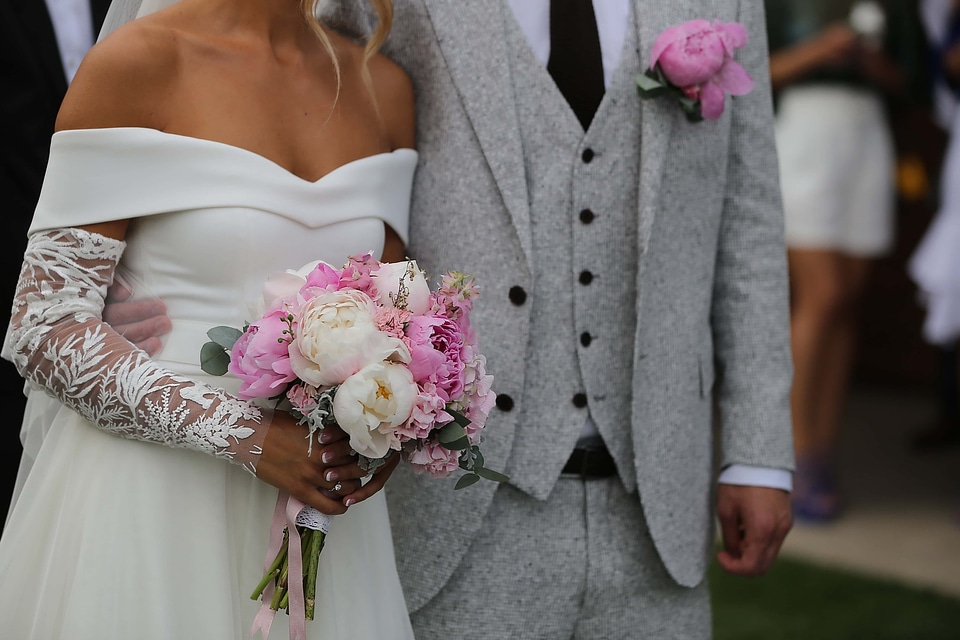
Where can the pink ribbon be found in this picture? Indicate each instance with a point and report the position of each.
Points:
(284, 516)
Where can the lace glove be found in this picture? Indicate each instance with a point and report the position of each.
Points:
(58, 341)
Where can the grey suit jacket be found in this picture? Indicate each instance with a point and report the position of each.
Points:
(712, 289)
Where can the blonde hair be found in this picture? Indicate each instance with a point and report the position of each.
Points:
(384, 11)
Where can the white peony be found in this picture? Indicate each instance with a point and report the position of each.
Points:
(386, 285)
(337, 336)
(372, 403)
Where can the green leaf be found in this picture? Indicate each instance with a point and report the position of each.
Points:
(451, 433)
(458, 417)
(650, 87)
(490, 474)
(466, 481)
(478, 457)
(213, 359)
(226, 337)
(457, 445)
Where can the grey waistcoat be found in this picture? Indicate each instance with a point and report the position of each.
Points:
(584, 293)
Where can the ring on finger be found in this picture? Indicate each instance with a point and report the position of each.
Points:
(337, 487)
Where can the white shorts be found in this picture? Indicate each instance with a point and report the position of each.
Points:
(837, 169)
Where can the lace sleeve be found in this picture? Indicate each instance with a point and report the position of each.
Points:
(58, 340)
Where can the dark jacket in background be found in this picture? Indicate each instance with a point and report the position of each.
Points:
(32, 86)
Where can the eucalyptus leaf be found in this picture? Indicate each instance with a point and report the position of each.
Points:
(458, 417)
(450, 433)
(213, 359)
(226, 337)
(466, 481)
(457, 445)
(490, 474)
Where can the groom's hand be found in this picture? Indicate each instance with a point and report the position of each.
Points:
(753, 522)
(142, 322)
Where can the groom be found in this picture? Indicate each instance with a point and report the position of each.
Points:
(625, 255)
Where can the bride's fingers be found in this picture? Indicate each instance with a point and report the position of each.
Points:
(337, 454)
(379, 479)
(320, 500)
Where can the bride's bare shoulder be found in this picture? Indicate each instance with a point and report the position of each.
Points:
(125, 79)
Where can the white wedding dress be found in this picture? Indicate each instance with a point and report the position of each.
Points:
(116, 538)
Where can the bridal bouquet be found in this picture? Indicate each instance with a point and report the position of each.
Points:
(370, 348)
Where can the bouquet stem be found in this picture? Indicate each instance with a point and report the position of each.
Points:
(313, 561)
(311, 544)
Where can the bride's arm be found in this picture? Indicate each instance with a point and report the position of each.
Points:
(58, 340)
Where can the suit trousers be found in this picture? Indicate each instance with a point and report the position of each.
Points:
(580, 565)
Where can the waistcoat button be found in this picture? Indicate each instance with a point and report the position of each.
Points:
(517, 295)
(580, 400)
(588, 155)
(504, 402)
(587, 216)
(586, 277)
(586, 339)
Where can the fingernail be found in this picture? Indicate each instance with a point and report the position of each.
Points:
(349, 502)
(327, 456)
(325, 437)
(331, 476)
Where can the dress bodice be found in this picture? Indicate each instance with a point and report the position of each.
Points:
(210, 221)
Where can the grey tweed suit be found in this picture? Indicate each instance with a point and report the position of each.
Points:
(709, 288)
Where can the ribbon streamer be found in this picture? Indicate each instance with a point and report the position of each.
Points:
(284, 516)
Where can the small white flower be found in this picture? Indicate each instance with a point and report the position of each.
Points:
(372, 403)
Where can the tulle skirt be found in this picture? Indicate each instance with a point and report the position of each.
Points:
(119, 539)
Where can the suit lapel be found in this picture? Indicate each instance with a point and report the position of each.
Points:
(38, 29)
(473, 42)
(657, 121)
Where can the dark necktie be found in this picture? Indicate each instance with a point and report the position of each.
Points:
(576, 64)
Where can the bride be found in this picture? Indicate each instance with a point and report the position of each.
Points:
(200, 149)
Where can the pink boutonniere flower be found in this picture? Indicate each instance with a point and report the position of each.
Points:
(694, 62)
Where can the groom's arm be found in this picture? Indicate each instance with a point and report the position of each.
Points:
(750, 319)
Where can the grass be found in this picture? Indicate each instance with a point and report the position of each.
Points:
(799, 601)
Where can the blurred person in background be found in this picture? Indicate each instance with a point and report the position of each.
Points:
(832, 64)
(41, 45)
(936, 264)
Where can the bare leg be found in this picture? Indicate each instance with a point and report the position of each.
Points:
(817, 299)
(840, 343)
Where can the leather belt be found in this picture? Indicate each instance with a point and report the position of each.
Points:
(591, 464)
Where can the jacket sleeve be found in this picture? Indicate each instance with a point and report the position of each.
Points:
(750, 311)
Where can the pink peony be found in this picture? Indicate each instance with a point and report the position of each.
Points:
(261, 359)
(697, 57)
(434, 459)
(436, 354)
(321, 279)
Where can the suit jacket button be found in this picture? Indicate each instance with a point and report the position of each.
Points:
(517, 295)
(580, 400)
(586, 339)
(504, 402)
(588, 155)
(586, 277)
(587, 216)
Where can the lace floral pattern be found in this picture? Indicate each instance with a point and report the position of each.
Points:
(58, 340)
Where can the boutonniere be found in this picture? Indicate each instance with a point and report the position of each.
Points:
(694, 62)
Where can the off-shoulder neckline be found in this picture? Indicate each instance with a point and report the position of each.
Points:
(401, 153)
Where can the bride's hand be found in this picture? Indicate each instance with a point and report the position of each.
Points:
(313, 479)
